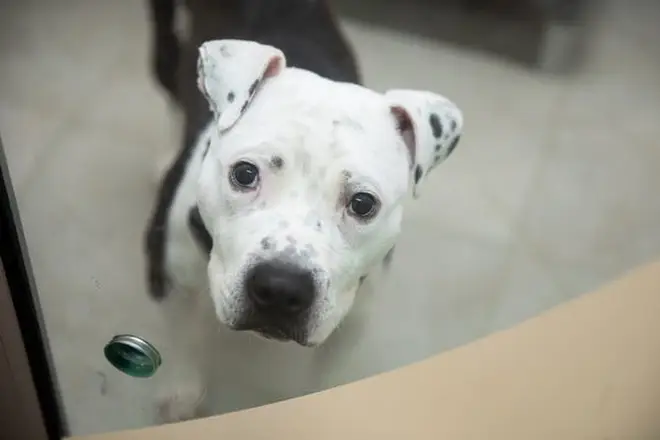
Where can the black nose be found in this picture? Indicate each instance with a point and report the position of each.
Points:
(280, 288)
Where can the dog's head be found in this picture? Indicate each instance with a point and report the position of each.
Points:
(302, 185)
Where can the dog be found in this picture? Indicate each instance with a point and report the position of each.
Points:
(292, 193)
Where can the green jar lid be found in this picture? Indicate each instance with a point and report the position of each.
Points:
(132, 355)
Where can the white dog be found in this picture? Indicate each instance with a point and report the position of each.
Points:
(289, 198)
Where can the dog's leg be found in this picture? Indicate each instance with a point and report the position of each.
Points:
(182, 379)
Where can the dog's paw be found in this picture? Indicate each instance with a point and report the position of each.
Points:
(179, 406)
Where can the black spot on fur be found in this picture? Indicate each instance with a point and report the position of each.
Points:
(266, 243)
(199, 231)
(436, 125)
(438, 147)
(453, 145)
(362, 280)
(276, 162)
(230, 97)
(418, 174)
(319, 225)
(454, 125)
(253, 87)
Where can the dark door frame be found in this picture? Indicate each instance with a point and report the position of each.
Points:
(23, 344)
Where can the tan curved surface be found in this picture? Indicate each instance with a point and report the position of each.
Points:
(589, 369)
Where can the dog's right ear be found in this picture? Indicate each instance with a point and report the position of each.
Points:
(230, 72)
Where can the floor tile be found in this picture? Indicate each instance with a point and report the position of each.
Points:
(56, 54)
(594, 210)
(27, 133)
(529, 289)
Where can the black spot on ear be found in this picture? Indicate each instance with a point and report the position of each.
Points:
(436, 125)
(276, 162)
(230, 97)
(418, 174)
(253, 87)
(453, 145)
(206, 148)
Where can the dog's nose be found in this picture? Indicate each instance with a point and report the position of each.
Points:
(280, 288)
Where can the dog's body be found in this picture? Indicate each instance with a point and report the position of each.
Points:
(277, 209)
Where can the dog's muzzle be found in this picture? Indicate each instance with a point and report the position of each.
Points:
(279, 296)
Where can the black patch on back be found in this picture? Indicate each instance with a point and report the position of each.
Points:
(436, 125)
(418, 173)
(199, 231)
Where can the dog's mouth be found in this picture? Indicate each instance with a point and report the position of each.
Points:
(276, 333)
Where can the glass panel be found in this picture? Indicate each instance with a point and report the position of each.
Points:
(224, 268)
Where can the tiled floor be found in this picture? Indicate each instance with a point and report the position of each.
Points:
(552, 192)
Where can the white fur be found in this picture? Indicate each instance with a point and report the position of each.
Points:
(333, 139)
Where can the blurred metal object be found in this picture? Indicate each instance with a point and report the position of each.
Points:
(132, 355)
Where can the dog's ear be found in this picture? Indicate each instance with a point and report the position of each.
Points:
(431, 126)
(230, 72)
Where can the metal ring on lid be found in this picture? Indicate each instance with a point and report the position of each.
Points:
(133, 356)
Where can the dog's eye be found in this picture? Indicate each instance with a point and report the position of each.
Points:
(244, 175)
(363, 205)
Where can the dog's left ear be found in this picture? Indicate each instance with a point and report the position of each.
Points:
(230, 73)
(431, 126)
